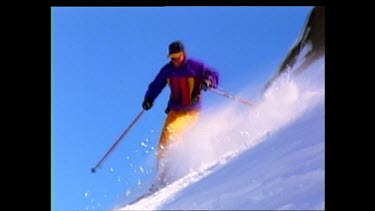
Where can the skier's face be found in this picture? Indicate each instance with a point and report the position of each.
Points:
(177, 61)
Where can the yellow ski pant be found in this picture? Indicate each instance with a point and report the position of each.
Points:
(176, 125)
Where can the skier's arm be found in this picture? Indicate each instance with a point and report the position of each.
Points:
(156, 86)
(210, 77)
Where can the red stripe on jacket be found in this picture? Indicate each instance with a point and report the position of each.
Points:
(181, 89)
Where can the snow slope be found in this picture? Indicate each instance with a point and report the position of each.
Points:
(269, 157)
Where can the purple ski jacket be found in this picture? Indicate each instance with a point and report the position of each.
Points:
(185, 84)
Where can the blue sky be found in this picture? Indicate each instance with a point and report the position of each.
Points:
(103, 59)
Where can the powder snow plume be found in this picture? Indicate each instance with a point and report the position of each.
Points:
(231, 127)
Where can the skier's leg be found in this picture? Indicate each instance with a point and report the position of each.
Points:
(176, 125)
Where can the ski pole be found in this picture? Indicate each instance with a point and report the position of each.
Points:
(226, 94)
(93, 170)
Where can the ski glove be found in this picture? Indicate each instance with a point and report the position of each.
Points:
(147, 104)
(206, 84)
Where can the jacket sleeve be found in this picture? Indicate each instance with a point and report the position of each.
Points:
(211, 75)
(157, 85)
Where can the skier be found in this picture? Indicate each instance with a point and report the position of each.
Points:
(186, 78)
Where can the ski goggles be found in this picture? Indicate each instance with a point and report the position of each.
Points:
(175, 55)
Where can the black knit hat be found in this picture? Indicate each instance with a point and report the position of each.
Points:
(176, 47)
